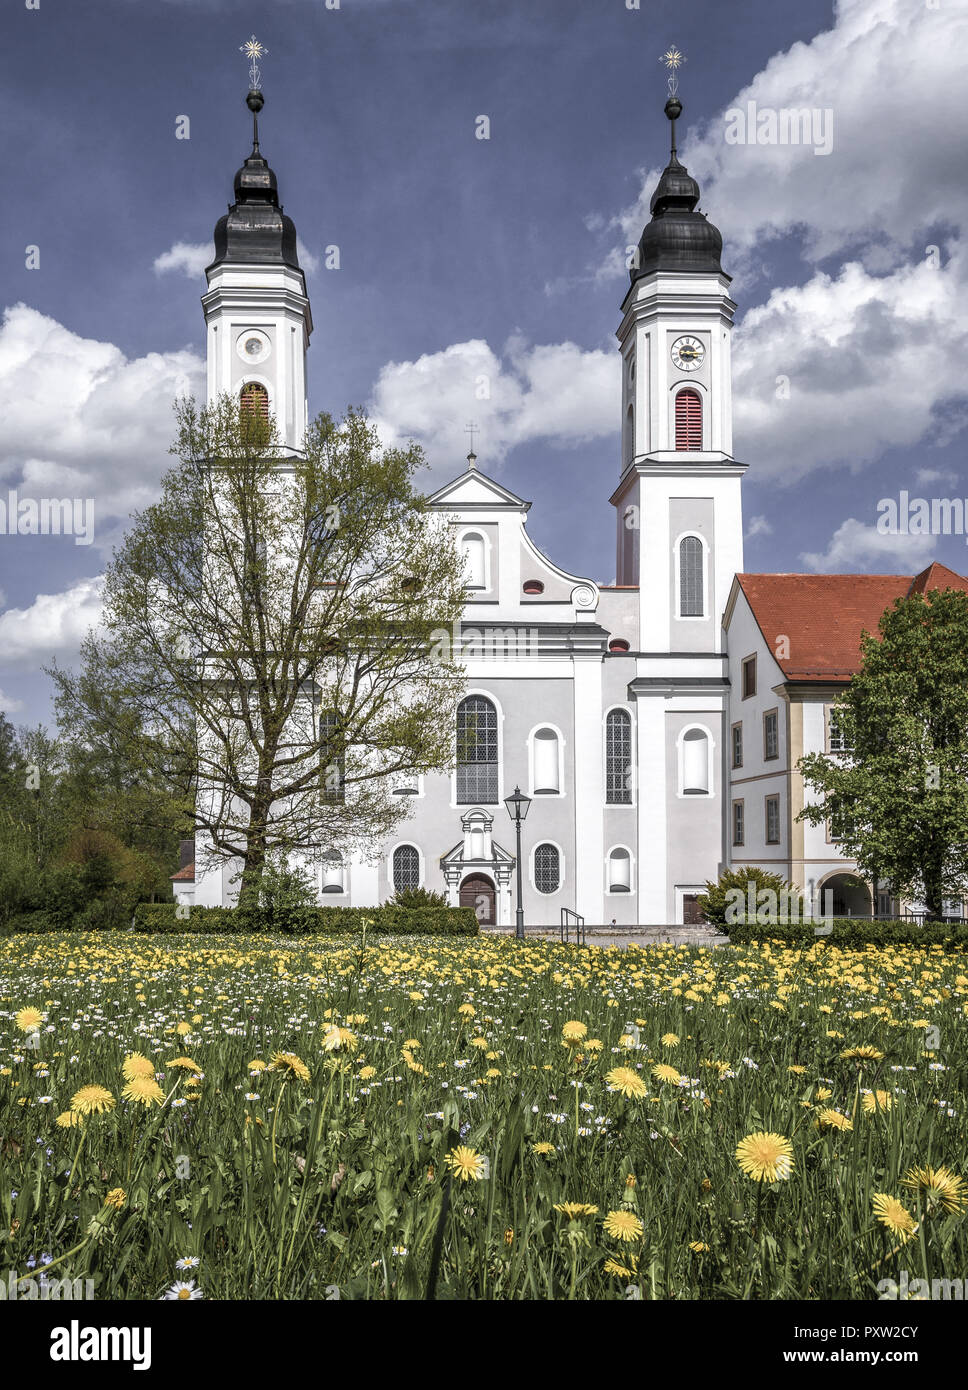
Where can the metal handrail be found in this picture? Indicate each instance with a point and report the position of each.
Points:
(567, 918)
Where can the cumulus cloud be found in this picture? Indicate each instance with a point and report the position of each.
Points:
(758, 526)
(82, 420)
(191, 257)
(555, 392)
(8, 705)
(53, 626)
(858, 546)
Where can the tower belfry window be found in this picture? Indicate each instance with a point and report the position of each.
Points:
(688, 420)
(254, 400)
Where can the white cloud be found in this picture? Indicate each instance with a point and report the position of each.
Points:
(758, 526)
(858, 546)
(8, 705)
(186, 258)
(926, 476)
(556, 392)
(191, 257)
(53, 626)
(842, 368)
(82, 420)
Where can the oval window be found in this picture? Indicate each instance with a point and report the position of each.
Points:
(618, 644)
(533, 586)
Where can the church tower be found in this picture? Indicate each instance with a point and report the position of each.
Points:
(678, 500)
(256, 308)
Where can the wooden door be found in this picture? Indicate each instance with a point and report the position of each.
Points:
(478, 892)
(691, 912)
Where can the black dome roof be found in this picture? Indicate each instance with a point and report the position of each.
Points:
(678, 237)
(255, 230)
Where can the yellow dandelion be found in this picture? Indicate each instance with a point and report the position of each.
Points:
(938, 1186)
(467, 1010)
(92, 1100)
(765, 1156)
(663, 1072)
(832, 1119)
(575, 1210)
(894, 1215)
(877, 1100)
(183, 1029)
(670, 1039)
(70, 1119)
(367, 1073)
(290, 1064)
(28, 1020)
(573, 1033)
(627, 1082)
(143, 1090)
(623, 1225)
(337, 1039)
(466, 1164)
(544, 1148)
(136, 1064)
(699, 1247)
(116, 1198)
(626, 1268)
(184, 1064)
(866, 1053)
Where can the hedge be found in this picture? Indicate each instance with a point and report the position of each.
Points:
(302, 921)
(851, 932)
(311, 921)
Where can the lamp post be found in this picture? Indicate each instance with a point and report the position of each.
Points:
(518, 809)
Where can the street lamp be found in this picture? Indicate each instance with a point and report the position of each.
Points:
(518, 809)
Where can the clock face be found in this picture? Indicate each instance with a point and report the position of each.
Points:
(253, 345)
(688, 353)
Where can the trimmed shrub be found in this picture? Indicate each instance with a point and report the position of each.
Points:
(851, 932)
(733, 884)
(309, 921)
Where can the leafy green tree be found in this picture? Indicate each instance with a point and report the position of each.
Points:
(271, 638)
(898, 798)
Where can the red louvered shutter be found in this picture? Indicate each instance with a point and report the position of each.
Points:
(255, 400)
(688, 420)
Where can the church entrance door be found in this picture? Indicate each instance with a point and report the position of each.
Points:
(478, 892)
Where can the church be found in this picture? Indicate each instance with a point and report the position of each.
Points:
(654, 724)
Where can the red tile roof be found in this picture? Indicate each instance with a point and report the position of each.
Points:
(822, 615)
(185, 875)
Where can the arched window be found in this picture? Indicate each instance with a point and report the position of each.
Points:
(690, 578)
(688, 420)
(545, 754)
(475, 560)
(695, 763)
(332, 873)
(630, 434)
(618, 758)
(254, 400)
(619, 871)
(406, 867)
(332, 761)
(476, 752)
(547, 868)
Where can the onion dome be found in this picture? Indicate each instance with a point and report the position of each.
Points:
(678, 237)
(255, 230)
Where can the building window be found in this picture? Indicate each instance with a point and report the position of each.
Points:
(837, 739)
(619, 871)
(749, 677)
(476, 752)
(738, 823)
(254, 400)
(737, 745)
(475, 560)
(545, 763)
(771, 735)
(690, 577)
(630, 434)
(688, 420)
(772, 820)
(695, 763)
(332, 873)
(547, 869)
(618, 758)
(406, 867)
(331, 759)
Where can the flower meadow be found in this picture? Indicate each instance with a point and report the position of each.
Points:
(479, 1119)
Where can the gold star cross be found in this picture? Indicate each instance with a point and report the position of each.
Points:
(673, 58)
(253, 49)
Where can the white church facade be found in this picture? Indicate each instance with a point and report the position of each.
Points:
(655, 723)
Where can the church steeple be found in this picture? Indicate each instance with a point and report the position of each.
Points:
(255, 230)
(256, 307)
(678, 237)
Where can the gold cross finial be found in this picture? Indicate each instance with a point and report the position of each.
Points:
(254, 50)
(673, 60)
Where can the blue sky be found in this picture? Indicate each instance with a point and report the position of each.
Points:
(459, 255)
